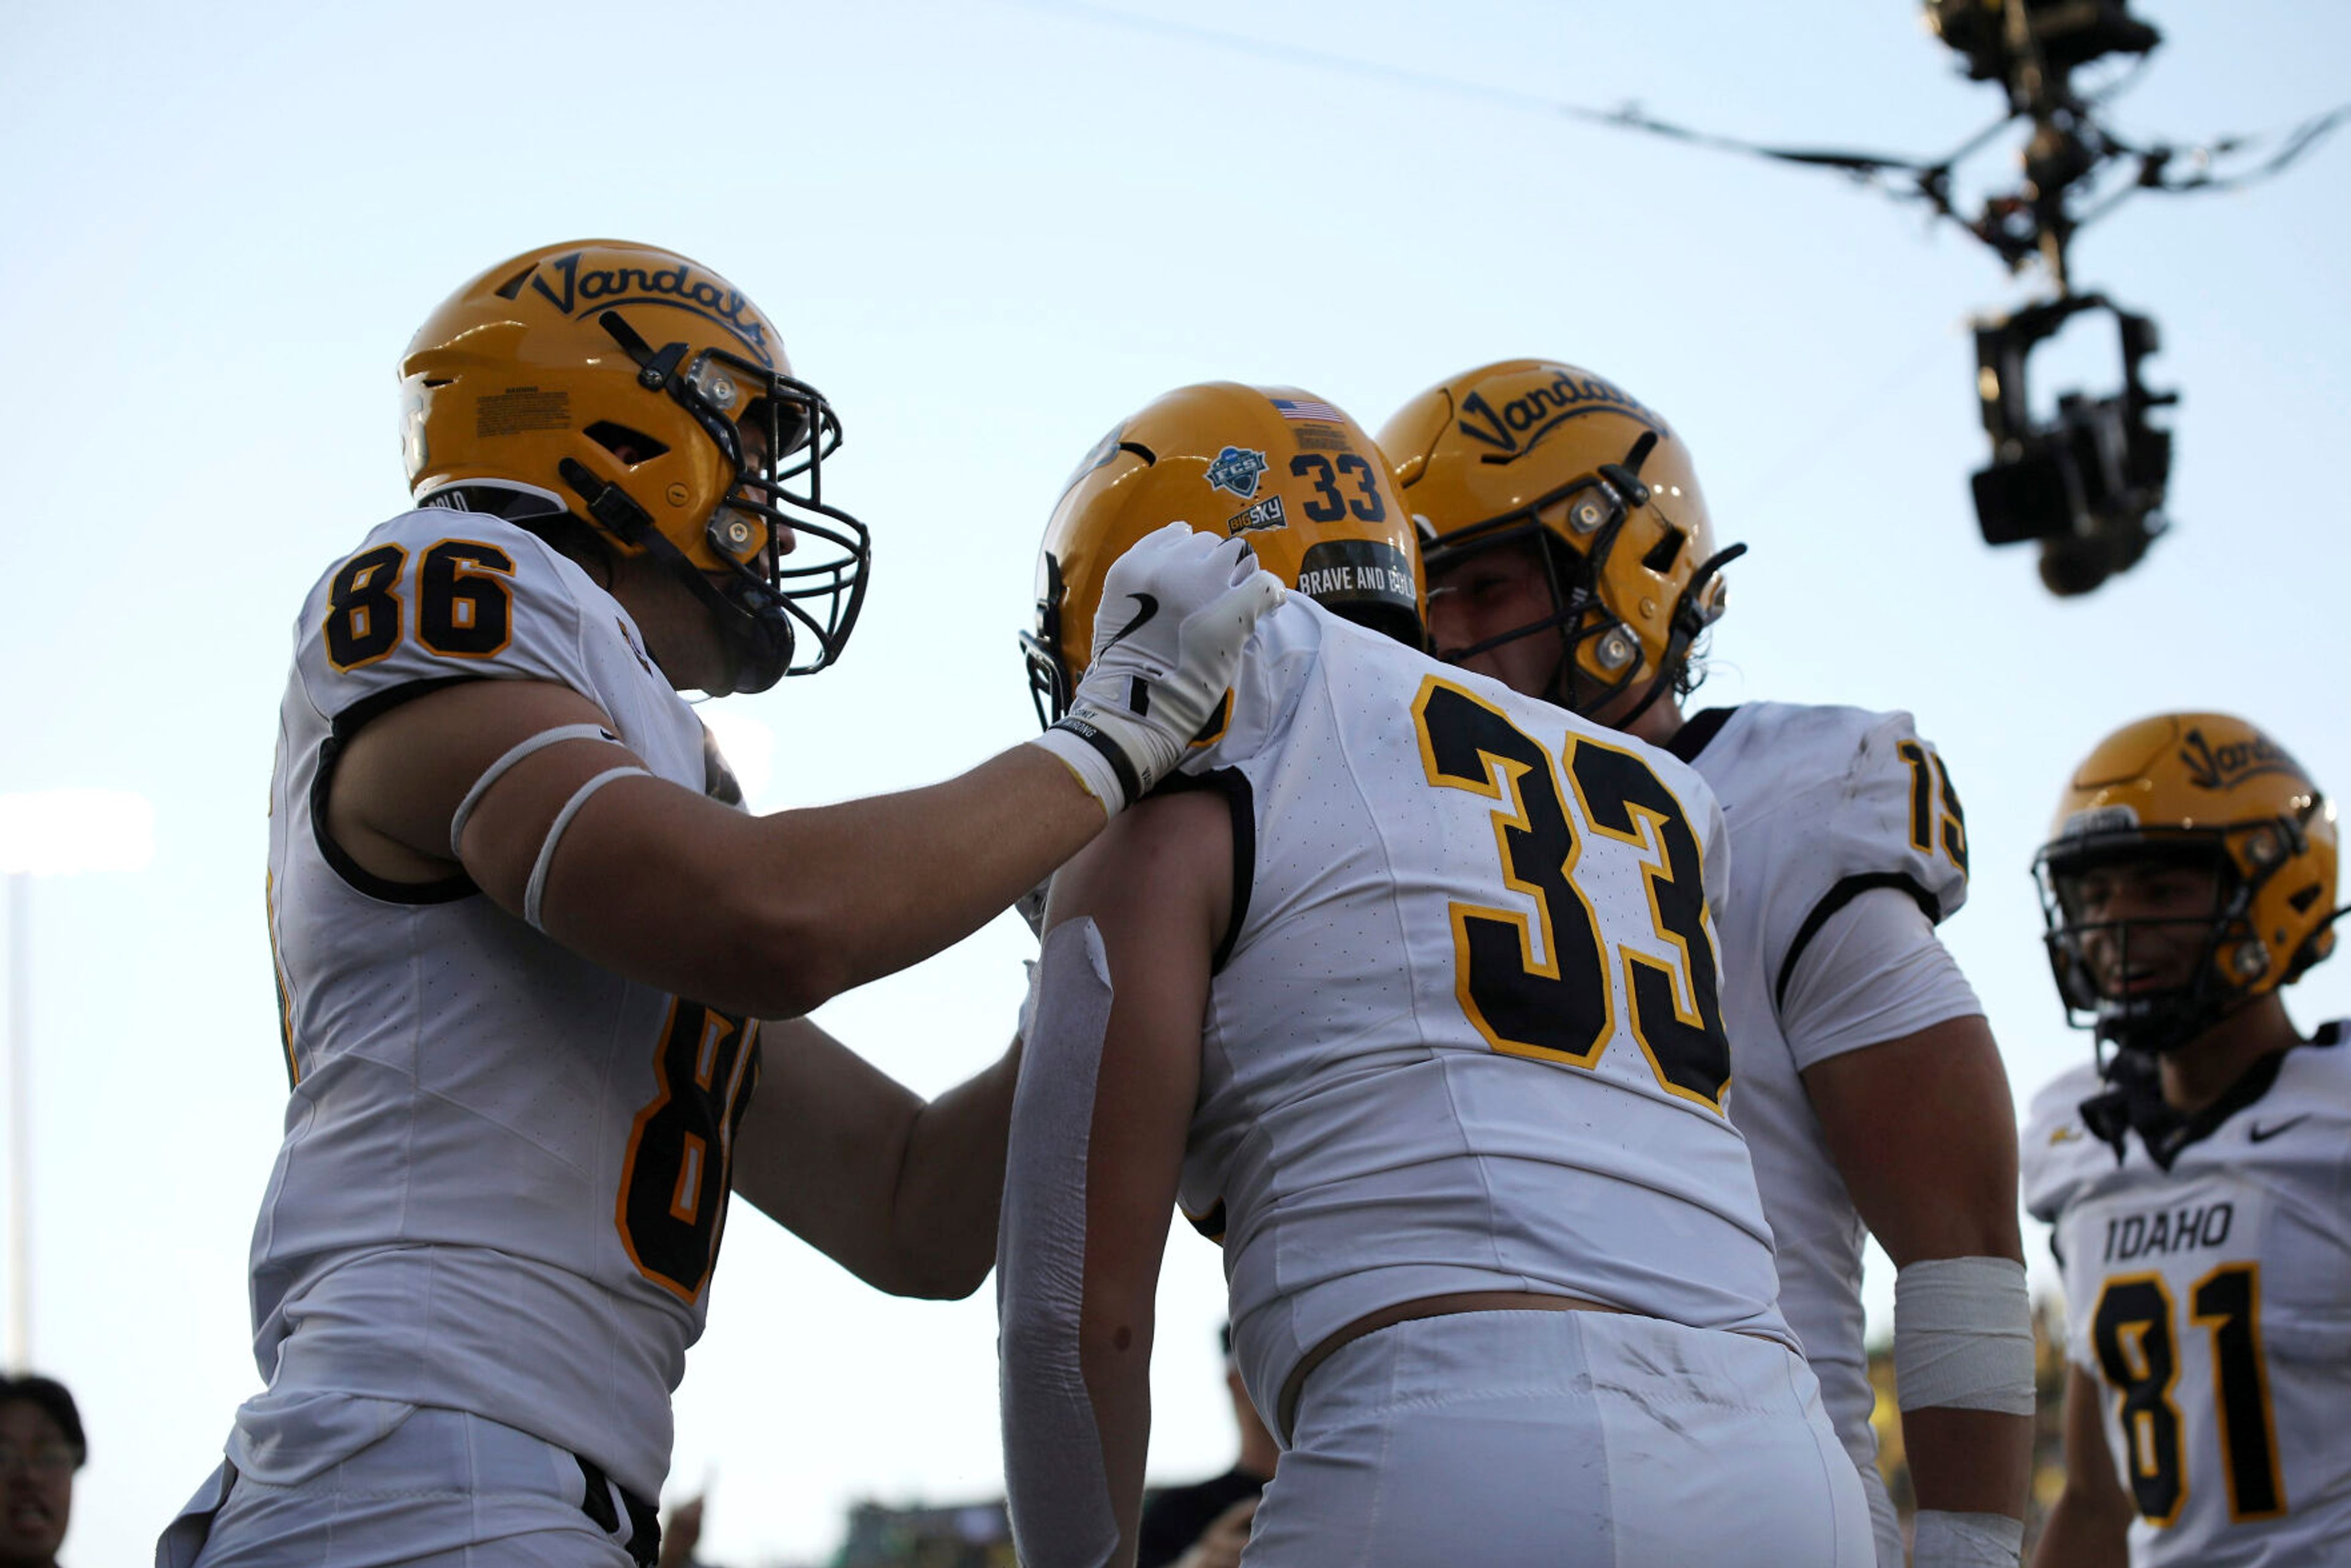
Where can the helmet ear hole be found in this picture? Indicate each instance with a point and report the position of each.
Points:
(1666, 551)
(630, 446)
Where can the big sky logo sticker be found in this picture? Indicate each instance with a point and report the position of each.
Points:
(1524, 418)
(575, 290)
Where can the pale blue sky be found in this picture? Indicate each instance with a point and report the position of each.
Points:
(988, 230)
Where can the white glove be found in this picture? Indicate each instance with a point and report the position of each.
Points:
(1176, 609)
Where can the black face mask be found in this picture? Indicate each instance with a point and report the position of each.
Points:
(764, 607)
(2145, 1023)
(1579, 615)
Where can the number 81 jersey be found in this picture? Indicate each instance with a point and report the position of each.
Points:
(2207, 1297)
(505, 1169)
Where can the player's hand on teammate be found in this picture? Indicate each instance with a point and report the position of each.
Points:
(1220, 1544)
(1175, 610)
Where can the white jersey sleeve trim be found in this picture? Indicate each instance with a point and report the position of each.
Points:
(1874, 971)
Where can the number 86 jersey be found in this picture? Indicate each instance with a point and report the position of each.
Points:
(2207, 1297)
(505, 1169)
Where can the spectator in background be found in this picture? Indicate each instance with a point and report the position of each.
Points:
(682, 1534)
(1206, 1525)
(41, 1446)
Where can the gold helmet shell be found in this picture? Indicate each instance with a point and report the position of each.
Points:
(651, 399)
(1292, 474)
(2196, 784)
(1537, 448)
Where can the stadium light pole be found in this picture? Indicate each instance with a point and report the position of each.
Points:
(49, 832)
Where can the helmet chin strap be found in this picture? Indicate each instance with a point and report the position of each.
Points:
(758, 648)
(1685, 624)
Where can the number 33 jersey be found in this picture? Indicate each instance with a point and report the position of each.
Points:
(2207, 1297)
(505, 1169)
(1467, 1034)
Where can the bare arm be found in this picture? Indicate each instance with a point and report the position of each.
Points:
(2089, 1525)
(1924, 1132)
(770, 916)
(1158, 888)
(901, 1193)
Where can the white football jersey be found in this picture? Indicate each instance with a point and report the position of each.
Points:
(1464, 1035)
(2207, 1294)
(504, 1170)
(1822, 804)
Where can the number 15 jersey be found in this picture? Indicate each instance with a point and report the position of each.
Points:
(505, 1169)
(1467, 1034)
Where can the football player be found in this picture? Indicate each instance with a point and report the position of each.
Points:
(524, 935)
(2196, 1177)
(1414, 1005)
(1569, 556)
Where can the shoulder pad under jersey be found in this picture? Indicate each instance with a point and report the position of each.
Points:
(1825, 803)
(436, 596)
(2057, 1150)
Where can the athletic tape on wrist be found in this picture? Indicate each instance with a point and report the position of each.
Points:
(513, 754)
(1963, 1336)
(1100, 763)
(1941, 1540)
(1056, 1485)
(536, 893)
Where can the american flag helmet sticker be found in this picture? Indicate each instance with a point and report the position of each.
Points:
(1307, 408)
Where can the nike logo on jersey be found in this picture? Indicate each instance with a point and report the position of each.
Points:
(2065, 1135)
(1150, 603)
(2257, 1134)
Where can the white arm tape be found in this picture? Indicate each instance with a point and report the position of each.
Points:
(1055, 1486)
(1941, 1540)
(1963, 1336)
(534, 894)
(516, 753)
(1089, 765)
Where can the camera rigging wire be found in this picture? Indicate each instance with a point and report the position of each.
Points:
(1929, 181)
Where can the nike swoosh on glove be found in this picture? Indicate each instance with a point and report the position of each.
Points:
(1176, 610)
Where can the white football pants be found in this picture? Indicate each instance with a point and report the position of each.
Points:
(1884, 1523)
(1533, 1439)
(443, 1489)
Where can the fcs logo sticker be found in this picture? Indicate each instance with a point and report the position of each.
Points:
(1514, 429)
(1238, 469)
(575, 293)
(2229, 765)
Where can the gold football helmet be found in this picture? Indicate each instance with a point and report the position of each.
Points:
(644, 393)
(1531, 448)
(2202, 788)
(1295, 476)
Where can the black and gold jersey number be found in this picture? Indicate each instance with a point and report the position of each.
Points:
(464, 609)
(1561, 1009)
(1930, 784)
(674, 1185)
(2131, 1331)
